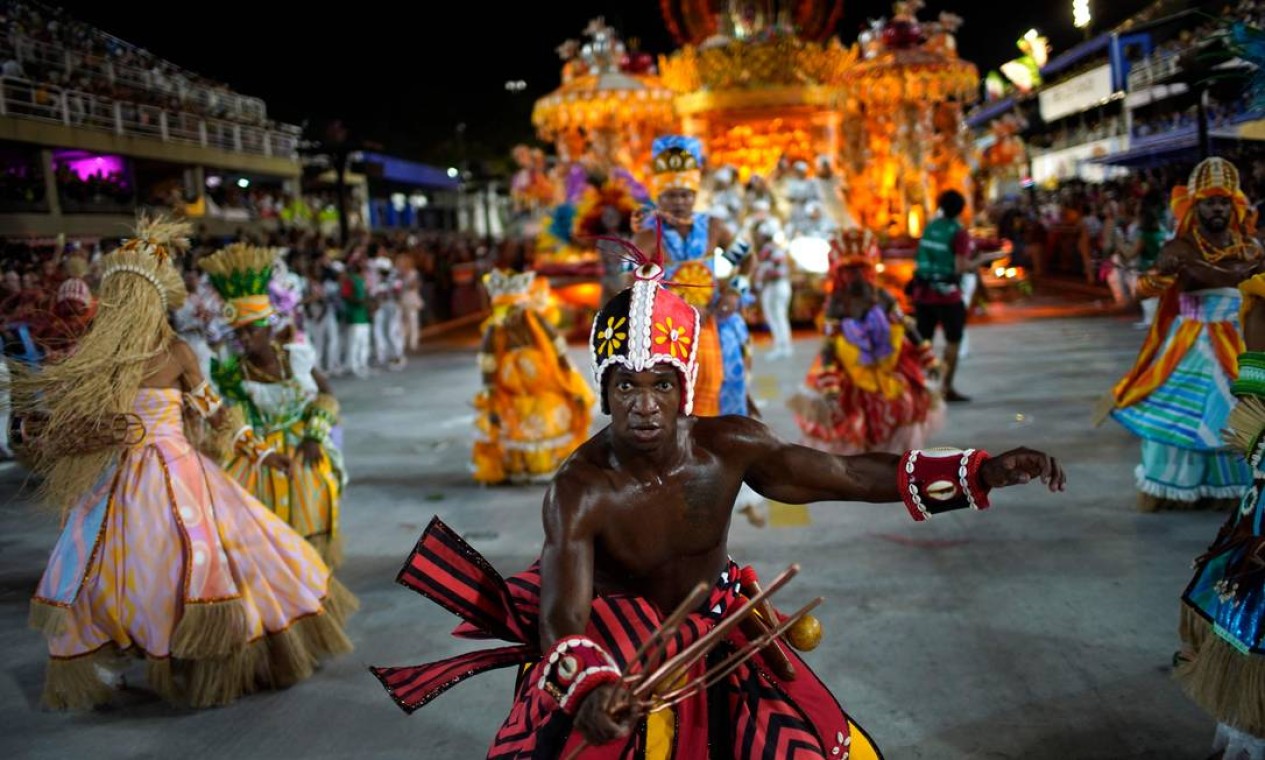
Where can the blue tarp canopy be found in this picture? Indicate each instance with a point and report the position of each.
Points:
(409, 172)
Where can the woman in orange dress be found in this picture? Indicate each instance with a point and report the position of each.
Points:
(534, 408)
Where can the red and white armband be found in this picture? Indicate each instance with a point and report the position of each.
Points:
(942, 480)
(204, 400)
(573, 667)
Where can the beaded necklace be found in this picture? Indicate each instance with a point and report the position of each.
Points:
(1235, 248)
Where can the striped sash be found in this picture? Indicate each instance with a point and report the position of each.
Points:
(748, 715)
(445, 569)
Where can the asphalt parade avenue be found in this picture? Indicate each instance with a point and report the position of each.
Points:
(1043, 628)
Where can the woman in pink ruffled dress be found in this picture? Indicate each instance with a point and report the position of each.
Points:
(162, 556)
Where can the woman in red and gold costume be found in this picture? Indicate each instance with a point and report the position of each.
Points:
(867, 389)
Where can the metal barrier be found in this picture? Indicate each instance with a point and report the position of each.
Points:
(176, 82)
(20, 98)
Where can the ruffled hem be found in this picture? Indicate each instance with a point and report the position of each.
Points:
(276, 660)
(493, 465)
(1181, 496)
(902, 440)
(830, 436)
(1226, 683)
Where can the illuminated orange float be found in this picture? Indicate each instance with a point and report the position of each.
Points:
(756, 85)
(904, 138)
(601, 120)
(611, 104)
(759, 83)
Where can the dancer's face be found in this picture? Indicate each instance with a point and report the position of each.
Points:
(678, 202)
(644, 405)
(255, 337)
(1214, 213)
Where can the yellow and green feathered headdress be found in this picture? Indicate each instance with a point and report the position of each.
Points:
(241, 273)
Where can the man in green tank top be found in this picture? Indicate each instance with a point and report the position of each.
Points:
(943, 256)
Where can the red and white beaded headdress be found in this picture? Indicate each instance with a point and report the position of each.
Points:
(646, 325)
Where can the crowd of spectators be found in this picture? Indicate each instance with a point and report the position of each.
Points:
(1215, 15)
(58, 54)
(1078, 132)
(447, 268)
(1089, 231)
(1219, 114)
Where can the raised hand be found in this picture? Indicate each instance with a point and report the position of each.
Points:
(1021, 465)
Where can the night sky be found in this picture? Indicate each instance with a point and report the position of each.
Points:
(407, 85)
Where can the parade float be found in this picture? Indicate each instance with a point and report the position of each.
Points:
(758, 83)
(905, 140)
(601, 122)
(763, 85)
(610, 106)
